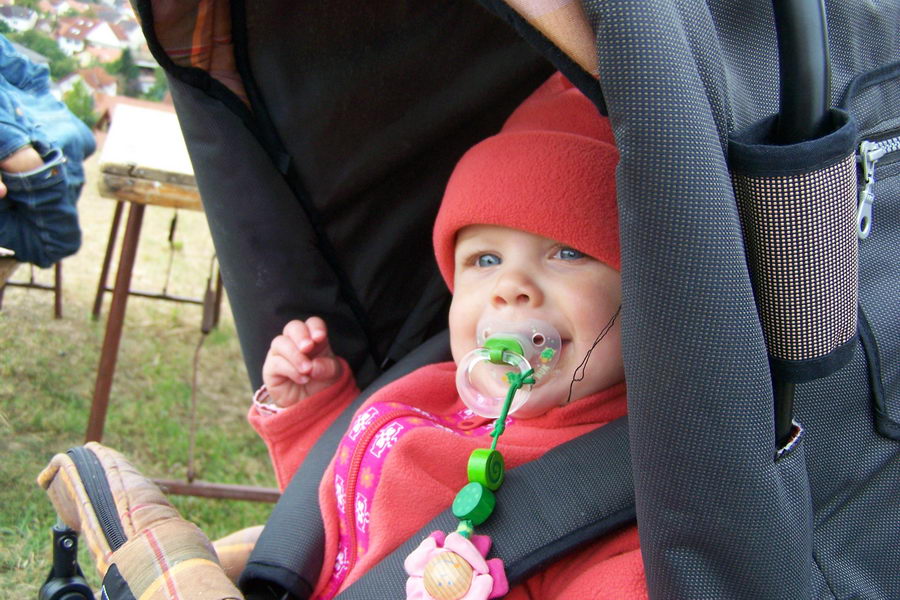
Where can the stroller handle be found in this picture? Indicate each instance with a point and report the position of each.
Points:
(804, 69)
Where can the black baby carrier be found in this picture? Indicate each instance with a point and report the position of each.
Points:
(759, 211)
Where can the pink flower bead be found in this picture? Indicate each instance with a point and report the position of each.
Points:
(487, 578)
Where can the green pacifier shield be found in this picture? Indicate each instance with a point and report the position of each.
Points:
(474, 503)
(497, 346)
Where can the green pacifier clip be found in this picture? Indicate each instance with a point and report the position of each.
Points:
(475, 502)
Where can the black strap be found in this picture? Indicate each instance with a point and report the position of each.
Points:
(286, 560)
(572, 495)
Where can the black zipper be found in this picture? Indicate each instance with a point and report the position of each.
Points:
(97, 487)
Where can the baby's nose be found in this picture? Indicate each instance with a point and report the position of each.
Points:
(516, 289)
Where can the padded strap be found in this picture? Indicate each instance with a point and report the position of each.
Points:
(545, 509)
(284, 560)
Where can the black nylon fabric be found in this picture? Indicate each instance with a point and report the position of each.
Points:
(114, 586)
(719, 518)
(754, 153)
(361, 135)
(375, 102)
(267, 263)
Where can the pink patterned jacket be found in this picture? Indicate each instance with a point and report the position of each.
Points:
(403, 460)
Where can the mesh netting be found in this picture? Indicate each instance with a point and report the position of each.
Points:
(802, 250)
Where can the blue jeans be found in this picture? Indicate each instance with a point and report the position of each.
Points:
(38, 218)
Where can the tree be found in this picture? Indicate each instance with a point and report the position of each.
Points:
(158, 91)
(81, 103)
(128, 73)
(125, 66)
(60, 64)
(5, 28)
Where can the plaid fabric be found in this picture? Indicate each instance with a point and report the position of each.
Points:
(197, 34)
(164, 557)
(234, 550)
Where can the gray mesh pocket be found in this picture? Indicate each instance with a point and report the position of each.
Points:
(797, 205)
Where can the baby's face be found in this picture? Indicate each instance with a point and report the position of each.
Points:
(511, 274)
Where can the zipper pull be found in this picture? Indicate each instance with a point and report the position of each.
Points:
(869, 153)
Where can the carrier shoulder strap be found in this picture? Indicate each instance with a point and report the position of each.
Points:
(546, 509)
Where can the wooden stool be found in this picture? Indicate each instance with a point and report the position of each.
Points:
(9, 264)
(144, 162)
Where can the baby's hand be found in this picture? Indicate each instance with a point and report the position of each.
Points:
(300, 362)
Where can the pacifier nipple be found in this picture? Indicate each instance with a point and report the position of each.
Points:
(506, 347)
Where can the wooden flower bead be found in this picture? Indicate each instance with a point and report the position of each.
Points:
(447, 576)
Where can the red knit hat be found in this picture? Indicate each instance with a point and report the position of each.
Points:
(550, 171)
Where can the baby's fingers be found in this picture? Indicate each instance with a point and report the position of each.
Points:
(325, 368)
(286, 348)
(318, 331)
(277, 370)
(311, 336)
(298, 333)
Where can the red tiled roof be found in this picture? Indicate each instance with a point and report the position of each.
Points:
(120, 33)
(96, 77)
(104, 55)
(76, 28)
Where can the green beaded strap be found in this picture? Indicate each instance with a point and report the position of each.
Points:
(476, 501)
(515, 382)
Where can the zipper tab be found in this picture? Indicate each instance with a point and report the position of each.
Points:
(869, 155)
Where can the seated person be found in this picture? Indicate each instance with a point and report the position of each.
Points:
(42, 147)
(526, 239)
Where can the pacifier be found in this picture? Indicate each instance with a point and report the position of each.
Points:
(504, 347)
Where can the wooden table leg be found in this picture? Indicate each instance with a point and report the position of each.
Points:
(57, 291)
(107, 259)
(218, 490)
(113, 336)
(219, 293)
(8, 265)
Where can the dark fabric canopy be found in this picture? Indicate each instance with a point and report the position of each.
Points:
(322, 136)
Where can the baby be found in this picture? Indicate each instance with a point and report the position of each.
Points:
(527, 231)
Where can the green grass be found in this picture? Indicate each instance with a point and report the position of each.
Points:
(47, 373)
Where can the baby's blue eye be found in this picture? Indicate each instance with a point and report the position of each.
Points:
(570, 254)
(487, 260)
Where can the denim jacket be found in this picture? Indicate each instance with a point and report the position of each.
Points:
(38, 218)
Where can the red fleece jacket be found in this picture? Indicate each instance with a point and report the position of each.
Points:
(417, 463)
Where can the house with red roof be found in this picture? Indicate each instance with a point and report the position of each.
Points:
(74, 34)
(97, 80)
(98, 54)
